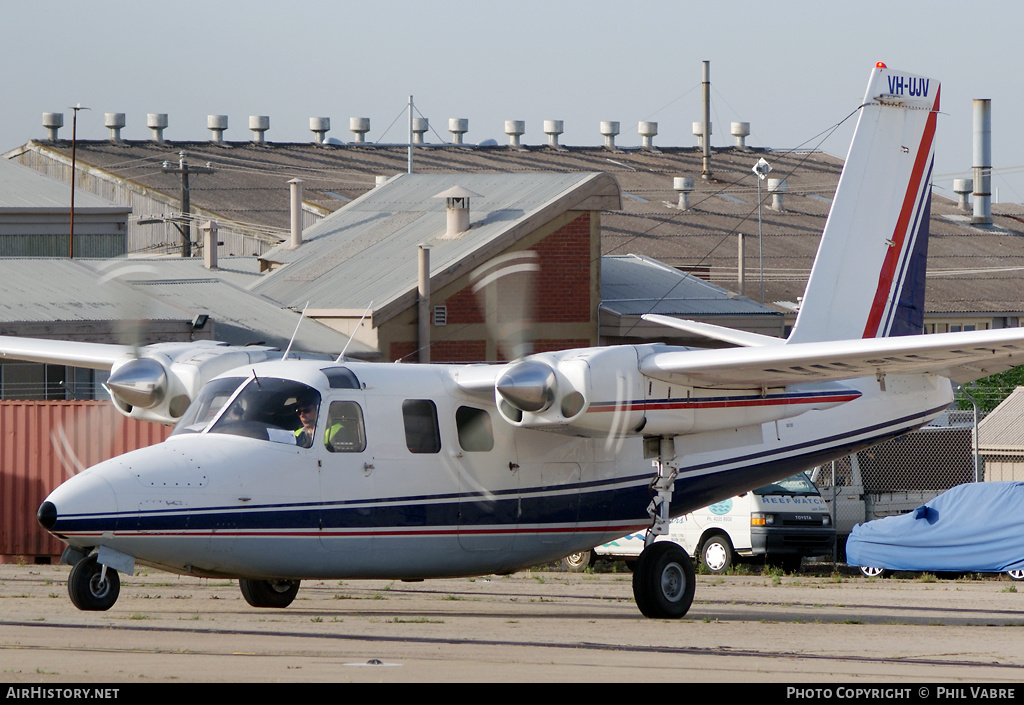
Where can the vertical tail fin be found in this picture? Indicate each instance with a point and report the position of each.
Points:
(869, 275)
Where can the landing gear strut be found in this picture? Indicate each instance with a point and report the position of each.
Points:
(663, 578)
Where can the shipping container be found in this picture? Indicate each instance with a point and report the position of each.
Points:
(42, 443)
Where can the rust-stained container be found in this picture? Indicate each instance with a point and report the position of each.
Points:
(42, 443)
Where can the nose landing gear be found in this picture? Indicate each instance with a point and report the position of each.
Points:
(93, 587)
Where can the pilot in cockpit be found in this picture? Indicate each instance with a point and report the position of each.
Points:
(307, 408)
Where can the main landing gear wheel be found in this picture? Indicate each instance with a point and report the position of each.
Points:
(91, 588)
(269, 593)
(663, 581)
(578, 562)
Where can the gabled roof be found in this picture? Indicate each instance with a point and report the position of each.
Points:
(1002, 431)
(367, 251)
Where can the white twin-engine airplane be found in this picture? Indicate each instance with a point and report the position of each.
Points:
(423, 471)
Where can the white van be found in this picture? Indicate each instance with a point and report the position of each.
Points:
(782, 522)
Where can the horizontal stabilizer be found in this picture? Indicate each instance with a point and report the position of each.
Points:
(713, 332)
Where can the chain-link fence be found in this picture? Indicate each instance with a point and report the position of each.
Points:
(901, 474)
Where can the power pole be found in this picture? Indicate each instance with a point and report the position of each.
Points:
(185, 169)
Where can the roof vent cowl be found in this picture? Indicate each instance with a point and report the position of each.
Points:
(52, 122)
(457, 207)
(157, 122)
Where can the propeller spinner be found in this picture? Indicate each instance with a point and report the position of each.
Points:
(528, 386)
(141, 382)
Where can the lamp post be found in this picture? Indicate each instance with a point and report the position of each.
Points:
(762, 168)
(74, 130)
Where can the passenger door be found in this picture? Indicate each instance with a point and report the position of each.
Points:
(347, 484)
(487, 464)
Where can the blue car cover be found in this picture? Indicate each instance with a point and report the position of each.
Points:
(977, 527)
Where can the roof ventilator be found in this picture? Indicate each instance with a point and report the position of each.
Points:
(217, 124)
(52, 122)
(157, 122)
(457, 207)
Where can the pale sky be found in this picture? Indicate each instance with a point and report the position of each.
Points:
(793, 69)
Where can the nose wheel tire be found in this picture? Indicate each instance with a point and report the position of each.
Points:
(90, 588)
(269, 593)
(663, 581)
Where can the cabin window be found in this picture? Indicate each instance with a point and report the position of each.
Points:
(208, 403)
(272, 409)
(344, 431)
(474, 427)
(422, 434)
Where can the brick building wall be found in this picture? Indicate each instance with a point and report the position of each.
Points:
(563, 294)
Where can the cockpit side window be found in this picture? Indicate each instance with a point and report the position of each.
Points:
(344, 431)
(474, 427)
(422, 434)
(208, 403)
(270, 409)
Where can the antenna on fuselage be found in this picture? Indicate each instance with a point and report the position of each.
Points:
(367, 311)
(295, 332)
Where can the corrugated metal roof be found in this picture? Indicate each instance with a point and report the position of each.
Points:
(242, 272)
(23, 189)
(242, 318)
(635, 285)
(43, 289)
(970, 269)
(170, 289)
(1002, 431)
(367, 251)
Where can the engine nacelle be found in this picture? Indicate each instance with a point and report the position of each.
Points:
(588, 392)
(161, 384)
(601, 392)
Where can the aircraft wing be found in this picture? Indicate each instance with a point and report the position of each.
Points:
(96, 356)
(961, 357)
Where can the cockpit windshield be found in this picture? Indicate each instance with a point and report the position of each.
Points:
(279, 410)
(207, 405)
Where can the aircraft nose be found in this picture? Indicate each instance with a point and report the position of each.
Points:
(86, 502)
(47, 515)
